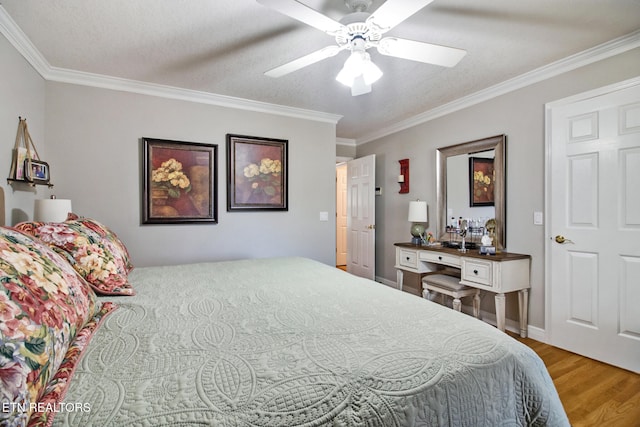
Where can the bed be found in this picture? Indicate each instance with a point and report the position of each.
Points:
(277, 342)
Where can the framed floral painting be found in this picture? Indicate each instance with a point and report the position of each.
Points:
(256, 173)
(179, 182)
(481, 182)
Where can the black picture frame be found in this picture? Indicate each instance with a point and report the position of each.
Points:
(179, 182)
(481, 182)
(37, 172)
(257, 173)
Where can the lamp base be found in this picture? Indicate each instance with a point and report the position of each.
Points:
(417, 231)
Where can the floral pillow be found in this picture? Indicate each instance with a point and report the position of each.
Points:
(107, 234)
(44, 306)
(94, 251)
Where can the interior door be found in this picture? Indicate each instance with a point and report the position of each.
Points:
(361, 217)
(593, 249)
(341, 214)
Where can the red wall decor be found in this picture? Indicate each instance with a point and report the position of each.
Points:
(403, 179)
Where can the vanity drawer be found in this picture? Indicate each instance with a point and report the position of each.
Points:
(408, 259)
(440, 258)
(477, 271)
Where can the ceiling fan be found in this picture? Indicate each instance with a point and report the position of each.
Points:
(359, 31)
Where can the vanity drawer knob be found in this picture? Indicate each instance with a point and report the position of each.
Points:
(475, 271)
(440, 258)
(408, 258)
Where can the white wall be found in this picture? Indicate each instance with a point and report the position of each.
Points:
(93, 148)
(519, 115)
(21, 94)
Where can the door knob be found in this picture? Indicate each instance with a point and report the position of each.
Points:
(371, 226)
(562, 240)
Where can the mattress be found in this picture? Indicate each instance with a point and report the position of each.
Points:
(292, 342)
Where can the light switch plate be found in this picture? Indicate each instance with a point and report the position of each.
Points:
(324, 216)
(537, 218)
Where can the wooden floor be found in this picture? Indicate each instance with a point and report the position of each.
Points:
(593, 393)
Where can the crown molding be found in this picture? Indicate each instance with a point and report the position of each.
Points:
(589, 56)
(346, 141)
(25, 47)
(21, 43)
(163, 91)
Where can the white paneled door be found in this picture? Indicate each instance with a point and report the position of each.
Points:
(361, 217)
(593, 205)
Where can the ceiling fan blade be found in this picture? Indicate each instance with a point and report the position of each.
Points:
(393, 12)
(304, 61)
(420, 51)
(304, 14)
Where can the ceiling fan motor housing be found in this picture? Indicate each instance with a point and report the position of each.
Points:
(357, 26)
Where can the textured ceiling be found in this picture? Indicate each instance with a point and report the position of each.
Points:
(225, 46)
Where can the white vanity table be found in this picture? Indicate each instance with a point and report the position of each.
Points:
(499, 274)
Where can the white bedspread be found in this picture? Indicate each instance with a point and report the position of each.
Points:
(288, 342)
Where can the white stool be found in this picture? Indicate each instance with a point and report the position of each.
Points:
(451, 286)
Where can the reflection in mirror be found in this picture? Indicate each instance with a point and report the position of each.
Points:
(456, 196)
(459, 202)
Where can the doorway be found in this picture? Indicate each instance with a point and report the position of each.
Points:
(341, 216)
(355, 205)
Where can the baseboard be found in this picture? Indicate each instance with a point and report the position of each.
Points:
(538, 334)
(533, 332)
(387, 282)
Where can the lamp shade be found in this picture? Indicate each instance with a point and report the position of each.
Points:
(51, 210)
(418, 211)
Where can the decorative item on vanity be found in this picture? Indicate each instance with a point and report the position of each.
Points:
(464, 227)
(26, 165)
(51, 210)
(418, 216)
(488, 241)
(403, 178)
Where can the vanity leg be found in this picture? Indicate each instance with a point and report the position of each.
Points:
(427, 294)
(399, 278)
(457, 304)
(523, 307)
(500, 311)
(476, 305)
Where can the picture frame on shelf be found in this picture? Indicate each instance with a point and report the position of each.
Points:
(180, 182)
(36, 171)
(257, 174)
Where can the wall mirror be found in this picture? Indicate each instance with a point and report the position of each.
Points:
(458, 196)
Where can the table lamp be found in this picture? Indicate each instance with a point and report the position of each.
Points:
(51, 210)
(418, 216)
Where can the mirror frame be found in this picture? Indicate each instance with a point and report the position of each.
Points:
(497, 143)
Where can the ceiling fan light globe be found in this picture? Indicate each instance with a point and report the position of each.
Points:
(351, 69)
(345, 78)
(359, 65)
(370, 72)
